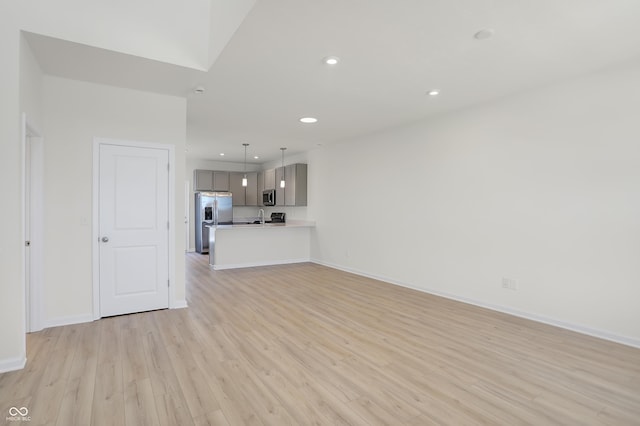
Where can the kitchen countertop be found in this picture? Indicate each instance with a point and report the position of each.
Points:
(288, 224)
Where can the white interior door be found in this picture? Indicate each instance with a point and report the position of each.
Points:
(33, 153)
(133, 208)
(27, 230)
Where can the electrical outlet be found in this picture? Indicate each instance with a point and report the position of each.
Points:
(509, 284)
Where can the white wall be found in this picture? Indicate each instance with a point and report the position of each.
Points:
(542, 188)
(75, 113)
(12, 315)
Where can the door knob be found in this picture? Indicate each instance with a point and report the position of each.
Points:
(105, 239)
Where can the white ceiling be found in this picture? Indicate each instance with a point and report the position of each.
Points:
(271, 72)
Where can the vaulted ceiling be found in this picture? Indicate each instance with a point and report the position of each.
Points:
(261, 65)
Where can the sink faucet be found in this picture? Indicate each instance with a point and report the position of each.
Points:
(261, 216)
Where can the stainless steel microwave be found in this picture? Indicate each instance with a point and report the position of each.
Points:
(269, 197)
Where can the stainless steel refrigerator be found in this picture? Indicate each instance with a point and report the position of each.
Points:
(211, 209)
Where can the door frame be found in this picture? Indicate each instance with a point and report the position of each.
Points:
(95, 233)
(187, 221)
(33, 285)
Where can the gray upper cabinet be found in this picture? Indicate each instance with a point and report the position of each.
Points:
(279, 191)
(293, 194)
(270, 179)
(210, 180)
(244, 196)
(203, 180)
(295, 190)
(252, 194)
(237, 190)
(260, 187)
(220, 181)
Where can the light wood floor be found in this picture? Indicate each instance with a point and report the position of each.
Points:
(307, 345)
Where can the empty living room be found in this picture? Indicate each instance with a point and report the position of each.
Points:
(291, 212)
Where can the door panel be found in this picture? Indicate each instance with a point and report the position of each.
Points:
(135, 267)
(133, 226)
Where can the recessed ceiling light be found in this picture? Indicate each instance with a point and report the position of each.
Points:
(434, 92)
(222, 154)
(199, 90)
(255, 157)
(331, 60)
(308, 120)
(483, 34)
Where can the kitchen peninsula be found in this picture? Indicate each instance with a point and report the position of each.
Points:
(247, 245)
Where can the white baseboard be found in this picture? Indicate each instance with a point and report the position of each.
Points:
(73, 319)
(179, 304)
(13, 364)
(254, 264)
(79, 319)
(191, 250)
(601, 334)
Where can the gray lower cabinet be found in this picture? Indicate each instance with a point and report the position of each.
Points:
(295, 190)
(244, 196)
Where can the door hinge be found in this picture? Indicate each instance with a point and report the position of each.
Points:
(168, 283)
(167, 224)
(168, 165)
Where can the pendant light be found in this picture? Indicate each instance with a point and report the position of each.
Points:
(244, 179)
(282, 179)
